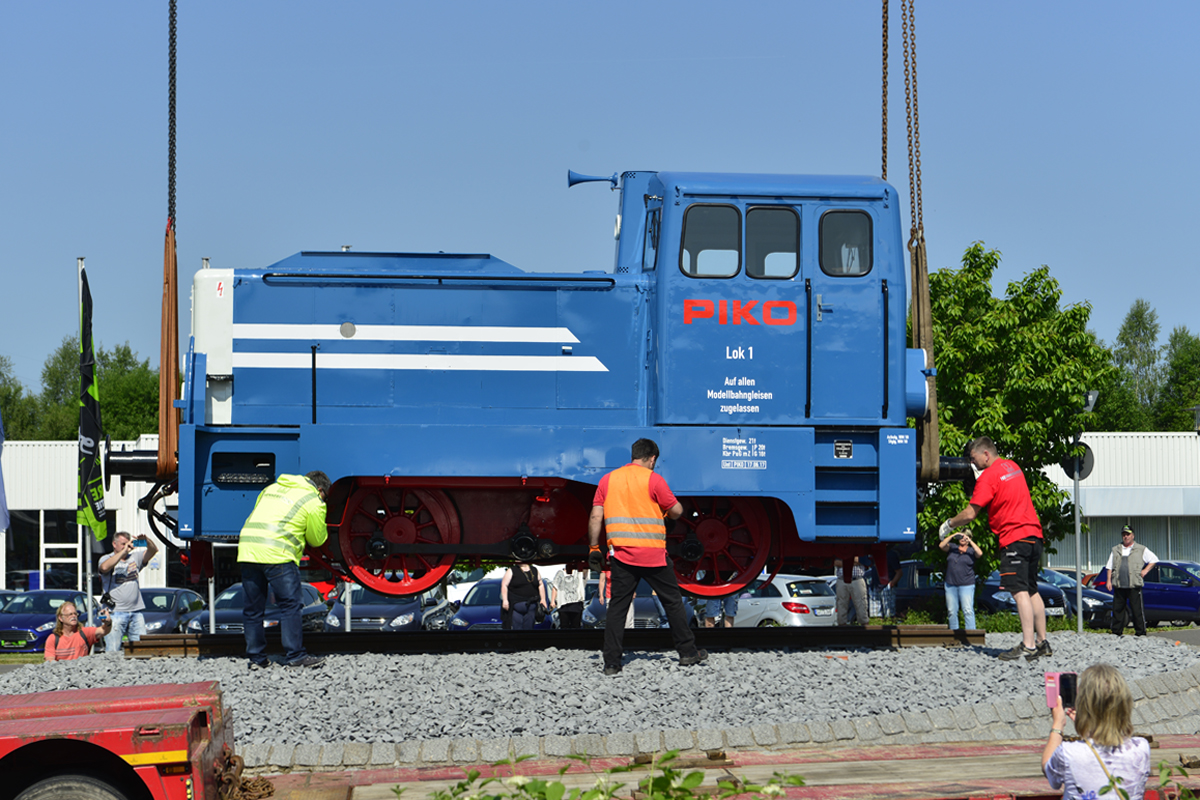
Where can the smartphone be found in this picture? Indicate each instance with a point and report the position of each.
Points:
(1061, 684)
(1068, 682)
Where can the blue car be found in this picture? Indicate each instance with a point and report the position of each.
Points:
(29, 618)
(166, 608)
(372, 611)
(480, 609)
(1171, 592)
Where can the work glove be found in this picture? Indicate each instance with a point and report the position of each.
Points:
(595, 559)
(945, 530)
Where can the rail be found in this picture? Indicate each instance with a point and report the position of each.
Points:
(326, 643)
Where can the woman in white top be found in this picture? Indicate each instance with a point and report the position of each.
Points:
(1107, 754)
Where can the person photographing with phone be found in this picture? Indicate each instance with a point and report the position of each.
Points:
(1107, 755)
(122, 594)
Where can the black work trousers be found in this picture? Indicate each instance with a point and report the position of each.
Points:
(624, 585)
(1128, 602)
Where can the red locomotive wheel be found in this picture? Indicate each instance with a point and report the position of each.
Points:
(736, 539)
(380, 516)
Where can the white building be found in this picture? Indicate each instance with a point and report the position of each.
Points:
(41, 481)
(1149, 481)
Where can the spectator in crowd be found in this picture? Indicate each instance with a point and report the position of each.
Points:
(887, 594)
(119, 577)
(522, 591)
(1106, 753)
(961, 552)
(569, 589)
(629, 508)
(288, 514)
(854, 592)
(1127, 566)
(714, 607)
(605, 595)
(1002, 490)
(70, 641)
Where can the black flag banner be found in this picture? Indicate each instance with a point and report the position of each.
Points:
(89, 510)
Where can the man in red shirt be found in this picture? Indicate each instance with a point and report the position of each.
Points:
(1001, 489)
(629, 507)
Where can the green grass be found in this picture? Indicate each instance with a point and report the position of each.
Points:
(21, 658)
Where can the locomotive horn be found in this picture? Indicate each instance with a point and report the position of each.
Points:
(574, 178)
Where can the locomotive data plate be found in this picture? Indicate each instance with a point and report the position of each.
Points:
(843, 448)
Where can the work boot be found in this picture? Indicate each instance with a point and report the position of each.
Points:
(1043, 649)
(257, 665)
(687, 661)
(1017, 652)
(610, 671)
(307, 661)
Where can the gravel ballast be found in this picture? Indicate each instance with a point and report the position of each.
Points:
(374, 699)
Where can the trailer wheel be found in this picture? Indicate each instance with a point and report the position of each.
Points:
(72, 787)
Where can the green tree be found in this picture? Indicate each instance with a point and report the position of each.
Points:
(58, 403)
(128, 393)
(1181, 382)
(1118, 408)
(1016, 369)
(18, 408)
(1137, 353)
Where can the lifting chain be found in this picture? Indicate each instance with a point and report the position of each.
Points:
(883, 172)
(230, 783)
(928, 439)
(171, 119)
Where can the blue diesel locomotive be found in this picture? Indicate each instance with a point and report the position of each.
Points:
(753, 325)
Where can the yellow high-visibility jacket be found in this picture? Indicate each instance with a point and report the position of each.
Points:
(288, 514)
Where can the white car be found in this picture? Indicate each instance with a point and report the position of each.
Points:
(795, 600)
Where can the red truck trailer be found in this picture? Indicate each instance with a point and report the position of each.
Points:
(159, 742)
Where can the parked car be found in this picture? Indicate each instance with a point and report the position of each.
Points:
(372, 611)
(993, 599)
(166, 608)
(647, 610)
(1088, 577)
(229, 604)
(29, 618)
(792, 600)
(1170, 592)
(5, 596)
(1097, 606)
(480, 609)
(437, 618)
(921, 585)
(460, 581)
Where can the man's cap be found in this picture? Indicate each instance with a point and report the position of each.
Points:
(1126, 530)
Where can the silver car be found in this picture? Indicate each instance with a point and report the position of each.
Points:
(796, 600)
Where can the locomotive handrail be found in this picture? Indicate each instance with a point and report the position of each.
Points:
(885, 349)
(308, 277)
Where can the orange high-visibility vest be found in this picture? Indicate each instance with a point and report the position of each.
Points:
(631, 517)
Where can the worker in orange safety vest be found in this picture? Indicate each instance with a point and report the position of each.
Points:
(629, 507)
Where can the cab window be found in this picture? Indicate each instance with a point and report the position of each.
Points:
(712, 236)
(846, 238)
(772, 243)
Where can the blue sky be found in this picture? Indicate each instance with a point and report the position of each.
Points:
(1059, 133)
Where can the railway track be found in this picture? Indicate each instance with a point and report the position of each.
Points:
(326, 643)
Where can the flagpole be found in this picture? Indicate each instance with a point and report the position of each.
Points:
(87, 557)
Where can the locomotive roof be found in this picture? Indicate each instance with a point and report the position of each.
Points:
(358, 262)
(700, 183)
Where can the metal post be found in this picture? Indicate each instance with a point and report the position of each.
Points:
(346, 602)
(1078, 550)
(212, 607)
(87, 557)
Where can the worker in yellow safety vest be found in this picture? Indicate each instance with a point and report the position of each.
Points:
(288, 515)
(629, 506)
